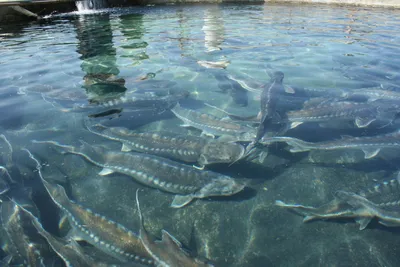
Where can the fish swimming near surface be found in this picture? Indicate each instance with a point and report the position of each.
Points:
(108, 236)
(69, 250)
(137, 100)
(186, 182)
(167, 252)
(187, 148)
(372, 94)
(21, 241)
(214, 64)
(362, 113)
(213, 126)
(350, 205)
(370, 145)
(269, 99)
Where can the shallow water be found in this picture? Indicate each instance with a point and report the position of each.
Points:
(49, 66)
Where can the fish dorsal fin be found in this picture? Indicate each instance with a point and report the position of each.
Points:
(363, 222)
(105, 171)
(181, 200)
(370, 152)
(362, 122)
(126, 148)
(169, 240)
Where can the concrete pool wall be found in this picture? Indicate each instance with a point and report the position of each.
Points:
(7, 14)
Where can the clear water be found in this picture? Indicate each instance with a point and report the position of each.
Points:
(43, 67)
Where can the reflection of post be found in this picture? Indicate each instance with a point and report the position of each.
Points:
(213, 28)
(98, 55)
(133, 46)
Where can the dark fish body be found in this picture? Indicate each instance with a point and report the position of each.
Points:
(371, 145)
(185, 148)
(137, 100)
(373, 93)
(104, 234)
(160, 173)
(68, 249)
(213, 125)
(167, 252)
(362, 113)
(16, 226)
(270, 96)
(348, 205)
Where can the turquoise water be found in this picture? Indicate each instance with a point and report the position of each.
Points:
(49, 67)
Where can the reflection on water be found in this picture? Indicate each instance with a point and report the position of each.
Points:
(332, 125)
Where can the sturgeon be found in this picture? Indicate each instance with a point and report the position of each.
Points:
(214, 126)
(185, 148)
(168, 252)
(110, 237)
(68, 249)
(186, 182)
(370, 145)
(138, 100)
(363, 114)
(348, 205)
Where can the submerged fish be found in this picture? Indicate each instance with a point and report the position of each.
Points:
(186, 148)
(21, 244)
(214, 64)
(185, 181)
(105, 234)
(269, 99)
(362, 113)
(214, 126)
(348, 205)
(5, 180)
(372, 94)
(168, 251)
(370, 145)
(68, 249)
(136, 100)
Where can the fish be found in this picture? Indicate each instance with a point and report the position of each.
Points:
(107, 235)
(186, 182)
(136, 100)
(167, 252)
(5, 180)
(372, 94)
(186, 148)
(370, 145)
(268, 102)
(348, 205)
(363, 114)
(214, 64)
(213, 126)
(21, 244)
(68, 249)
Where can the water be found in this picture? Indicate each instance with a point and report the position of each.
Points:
(47, 67)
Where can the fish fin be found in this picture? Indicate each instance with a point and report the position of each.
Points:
(364, 122)
(289, 89)
(203, 133)
(370, 152)
(227, 138)
(126, 148)
(259, 116)
(226, 119)
(169, 240)
(295, 124)
(344, 136)
(73, 234)
(363, 222)
(309, 218)
(105, 171)
(185, 125)
(181, 200)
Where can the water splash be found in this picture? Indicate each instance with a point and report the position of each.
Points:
(86, 5)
